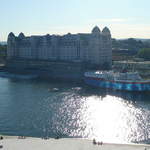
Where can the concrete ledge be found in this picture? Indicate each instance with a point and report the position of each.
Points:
(29, 143)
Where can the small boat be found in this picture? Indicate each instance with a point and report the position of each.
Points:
(128, 81)
(55, 89)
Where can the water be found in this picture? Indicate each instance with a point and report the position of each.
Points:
(45, 108)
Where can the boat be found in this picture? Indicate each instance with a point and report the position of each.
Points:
(128, 81)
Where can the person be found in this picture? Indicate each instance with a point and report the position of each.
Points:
(100, 143)
(1, 146)
(57, 137)
(94, 141)
(1, 138)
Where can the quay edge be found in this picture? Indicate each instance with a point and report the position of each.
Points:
(12, 142)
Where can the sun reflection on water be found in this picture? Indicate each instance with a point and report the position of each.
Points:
(112, 119)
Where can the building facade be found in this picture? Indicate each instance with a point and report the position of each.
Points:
(94, 47)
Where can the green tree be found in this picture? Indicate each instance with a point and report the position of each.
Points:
(144, 53)
(3, 50)
(3, 47)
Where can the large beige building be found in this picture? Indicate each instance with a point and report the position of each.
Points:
(94, 47)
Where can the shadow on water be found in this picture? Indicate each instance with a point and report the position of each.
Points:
(126, 95)
(85, 90)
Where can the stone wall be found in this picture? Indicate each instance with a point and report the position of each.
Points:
(47, 69)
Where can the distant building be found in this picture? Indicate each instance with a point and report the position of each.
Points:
(94, 47)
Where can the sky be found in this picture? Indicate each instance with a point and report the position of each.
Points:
(125, 18)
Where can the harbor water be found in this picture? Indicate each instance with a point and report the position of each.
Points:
(53, 108)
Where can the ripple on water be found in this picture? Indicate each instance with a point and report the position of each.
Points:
(34, 108)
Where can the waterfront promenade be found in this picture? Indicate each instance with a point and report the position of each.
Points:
(29, 143)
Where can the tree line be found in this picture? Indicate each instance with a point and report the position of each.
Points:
(135, 47)
(130, 44)
(3, 47)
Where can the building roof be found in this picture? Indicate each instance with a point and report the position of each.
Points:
(11, 34)
(106, 31)
(96, 30)
(21, 35)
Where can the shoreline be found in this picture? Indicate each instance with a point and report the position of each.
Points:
(33, 143)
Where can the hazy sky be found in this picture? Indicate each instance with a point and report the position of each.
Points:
(125, 18)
